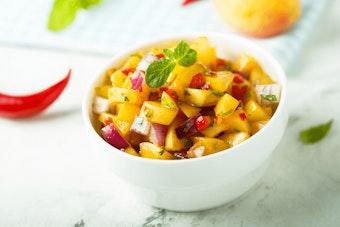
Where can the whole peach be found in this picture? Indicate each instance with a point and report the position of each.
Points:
(259, 18)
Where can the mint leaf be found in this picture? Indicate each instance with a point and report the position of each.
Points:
(184, 55)
(169, 53)
(158, 72)
(64, 12)
(316, 133)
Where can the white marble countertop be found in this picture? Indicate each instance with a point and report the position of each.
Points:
(48, 176)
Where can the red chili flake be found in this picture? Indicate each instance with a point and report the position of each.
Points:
(160, 55)
(239, 92)
(213, 73)
(108, 121)
(238, 78)
(221, 62)
(243, 116)
(202, 122)
(128, 71)
(172, 93)
(197, 81)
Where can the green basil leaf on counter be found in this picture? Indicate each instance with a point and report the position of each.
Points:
(64, 12)
(316, 133)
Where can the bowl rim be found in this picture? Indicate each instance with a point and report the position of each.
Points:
(120, 55)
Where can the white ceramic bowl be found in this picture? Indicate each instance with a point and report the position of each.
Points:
(201, 183)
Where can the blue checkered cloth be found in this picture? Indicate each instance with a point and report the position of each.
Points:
(115, 24)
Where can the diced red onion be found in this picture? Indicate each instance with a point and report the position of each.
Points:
(113, 137)
(188, 127)
(137, 80)
(158, 133)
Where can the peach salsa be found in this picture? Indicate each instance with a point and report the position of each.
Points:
(183, 101)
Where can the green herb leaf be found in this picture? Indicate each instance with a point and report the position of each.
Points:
(169, 53)
(158, 72)
(80, 224)
(184, 55)
(269, 97)
(315, 133)
(64, 12)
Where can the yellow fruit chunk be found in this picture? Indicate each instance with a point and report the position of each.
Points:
(234, 138)
(258, 76)
(189, 110)
(157, 113)
(185, 74)
(226, 105)
(237, 121)
(205, 53)
(255, 112)
(118, 78)
(257, 126)
(149, 150)
(172, 143)
(201, 98)
(132, 61)
(106, 118)
(168, 102)
(103, 90)
(123, 95)
(221, 81)
(216, 129)
(130, 150)
(244, 63)
(208, 145)
(127, 112)
(178, 86)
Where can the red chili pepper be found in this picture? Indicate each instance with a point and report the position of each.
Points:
(187, 2)
(161, 55)
(243, 116)
(239, 92)
(238, 78)
(202, 122)
(197, 81)
(30, 105)
(221, 62)
(172, 93)
(128, 71)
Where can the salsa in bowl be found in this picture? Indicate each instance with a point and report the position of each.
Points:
(188, 121)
